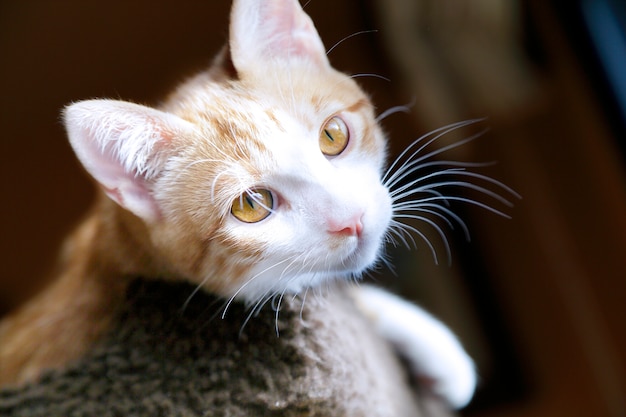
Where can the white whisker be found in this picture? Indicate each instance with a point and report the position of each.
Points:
(471, 202)
(401, 192)
(362, 32)
(420, 186)
(409, 163)
(370, 75)
(411, 170)
(280, 300)
(274, 293)
(255, 196)
(463, 184)
(440, 132)
(199, 161)
(193, 293)
(397, 229)
(407, 228)
(432, 208)
(403, 215)
(394, 110)
(254, 311)
(302, 321)
(248, 282)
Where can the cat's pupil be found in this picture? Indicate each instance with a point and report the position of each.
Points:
(253, 205)
(334, 137)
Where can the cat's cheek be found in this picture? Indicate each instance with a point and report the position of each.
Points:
(377, 222)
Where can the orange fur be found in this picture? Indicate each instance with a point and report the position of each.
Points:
(262, 121)
(215, 137)
(63, 320)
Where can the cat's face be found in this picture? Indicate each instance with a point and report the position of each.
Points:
(290, 173)
(262, 175)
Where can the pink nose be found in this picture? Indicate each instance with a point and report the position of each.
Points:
(348, 227)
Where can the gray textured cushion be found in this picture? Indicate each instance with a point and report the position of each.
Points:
(162, 360)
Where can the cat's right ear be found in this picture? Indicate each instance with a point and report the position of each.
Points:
(124, 147)
(269, 30)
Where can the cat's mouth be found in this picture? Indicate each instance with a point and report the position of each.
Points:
(297, 272)
(360, 252)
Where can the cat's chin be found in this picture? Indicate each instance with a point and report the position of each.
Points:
(299, 284)
(265, 281)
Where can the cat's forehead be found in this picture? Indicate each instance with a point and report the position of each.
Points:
(302, 92)
(311, 94)
(298, 102)
(260, 128)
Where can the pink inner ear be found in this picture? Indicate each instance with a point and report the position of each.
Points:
(135, 197)
(270, 29)
(126, 188)
(291, 31)
(123, 146)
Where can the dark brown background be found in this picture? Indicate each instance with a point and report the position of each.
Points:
(539, 299)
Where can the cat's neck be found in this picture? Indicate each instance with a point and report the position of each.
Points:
(101, 256)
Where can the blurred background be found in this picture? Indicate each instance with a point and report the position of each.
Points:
(538, 299)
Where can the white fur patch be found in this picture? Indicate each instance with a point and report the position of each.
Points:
(428, 344)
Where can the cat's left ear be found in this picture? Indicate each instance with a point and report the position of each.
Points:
(269, 30)
(124, 146)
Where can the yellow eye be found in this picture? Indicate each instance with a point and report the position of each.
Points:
(253, 206)
(334, 137)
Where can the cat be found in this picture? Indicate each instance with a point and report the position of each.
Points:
(260, 176)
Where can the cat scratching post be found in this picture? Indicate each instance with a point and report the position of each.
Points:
(168, 361)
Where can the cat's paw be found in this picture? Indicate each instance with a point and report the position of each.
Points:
(434, 353)
(451, 375)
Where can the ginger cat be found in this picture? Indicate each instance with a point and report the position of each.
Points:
(262, 176)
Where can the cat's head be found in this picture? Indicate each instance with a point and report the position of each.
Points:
(258, 176)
